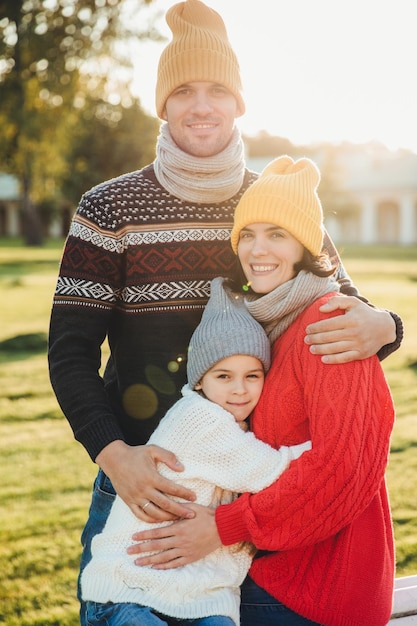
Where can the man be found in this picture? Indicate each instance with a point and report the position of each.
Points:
(136, 268)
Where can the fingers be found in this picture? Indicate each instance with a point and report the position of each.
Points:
(338, 324)
(154, 541)
(166, 457)
(339, 302)
(165, 486)
(167, 559)
(335, 352)
(179, 543)
(329, 343)
(160, 553)
(170, 559)
(168, 511)
(341, 357)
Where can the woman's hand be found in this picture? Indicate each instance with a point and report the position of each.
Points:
(180, 543)
(358, 334)
(132, 471)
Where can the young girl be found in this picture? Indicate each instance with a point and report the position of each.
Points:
(228, 356)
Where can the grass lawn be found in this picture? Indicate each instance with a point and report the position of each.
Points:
(47, 476)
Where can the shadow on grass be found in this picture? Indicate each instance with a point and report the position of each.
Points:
(17, 268)
(21, 347)
(39, 417)
(408, 445)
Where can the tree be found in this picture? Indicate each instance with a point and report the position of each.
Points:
(102, 148)
(54, 56)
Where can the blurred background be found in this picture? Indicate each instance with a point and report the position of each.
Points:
(329, 79)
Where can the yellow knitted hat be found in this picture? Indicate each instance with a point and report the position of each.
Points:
(199, 52)
(286, 195)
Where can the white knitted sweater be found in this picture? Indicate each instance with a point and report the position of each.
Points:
(215, 451)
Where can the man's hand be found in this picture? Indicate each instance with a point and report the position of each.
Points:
(179, 543)
(132, 471)
(358, 334)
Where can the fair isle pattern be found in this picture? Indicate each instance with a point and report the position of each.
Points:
(108, 241)
(137, 198)
(81, 292)
(134, 247)
(167, 291)
(78, 288)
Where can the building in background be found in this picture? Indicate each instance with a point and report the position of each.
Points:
(379, 189)
(10, 204)
(369, 193)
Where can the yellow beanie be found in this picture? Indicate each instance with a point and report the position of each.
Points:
(285, 194)
(199, 52)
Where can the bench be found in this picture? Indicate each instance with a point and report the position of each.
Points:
(405, 602)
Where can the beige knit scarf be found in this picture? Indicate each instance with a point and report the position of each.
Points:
(279, 308)
(199, 179)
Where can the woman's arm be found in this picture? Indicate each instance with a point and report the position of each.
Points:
(351, 418)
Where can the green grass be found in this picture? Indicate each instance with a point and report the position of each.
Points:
(47, 476)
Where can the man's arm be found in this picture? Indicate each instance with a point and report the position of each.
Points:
(358, 334)
(132, 471)
(77, 331)
(362, 331)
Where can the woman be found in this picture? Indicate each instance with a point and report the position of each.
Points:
(324, 530)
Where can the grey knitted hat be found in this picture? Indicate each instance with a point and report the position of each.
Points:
(226, 329)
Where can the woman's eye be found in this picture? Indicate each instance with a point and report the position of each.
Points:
(277, 234)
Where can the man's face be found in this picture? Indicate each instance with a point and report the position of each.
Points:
(201, 117)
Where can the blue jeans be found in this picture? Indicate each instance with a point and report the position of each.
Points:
(128, 614)
(258, 608)
(101, 503)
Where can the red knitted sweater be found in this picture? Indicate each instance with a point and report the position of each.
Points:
(327, 520)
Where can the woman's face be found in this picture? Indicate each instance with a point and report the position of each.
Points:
(267, 254)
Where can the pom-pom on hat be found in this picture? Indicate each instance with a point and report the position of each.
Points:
(200, 51)
(226, 329)
(285, 194)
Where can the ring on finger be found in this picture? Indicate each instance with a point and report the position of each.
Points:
(146, 504)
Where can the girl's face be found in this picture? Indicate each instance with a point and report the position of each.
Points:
(268, 254)
(235, 383)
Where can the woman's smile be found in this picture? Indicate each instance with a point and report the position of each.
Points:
(268, 255)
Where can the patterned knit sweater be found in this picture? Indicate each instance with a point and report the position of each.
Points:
(215, 451)
(327, 521)
(136, 269)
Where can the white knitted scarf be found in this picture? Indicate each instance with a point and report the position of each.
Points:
(199, 179)
(279, 308)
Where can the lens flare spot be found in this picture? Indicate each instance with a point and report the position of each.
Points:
(160, 380)
(173, 367)
(140, 401)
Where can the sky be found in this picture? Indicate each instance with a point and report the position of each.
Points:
(316, 70)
